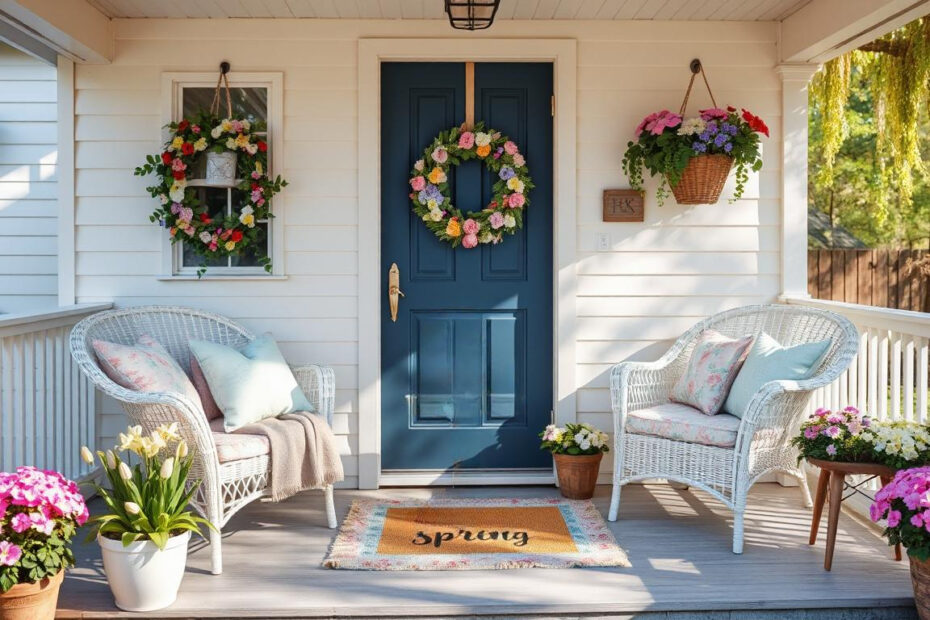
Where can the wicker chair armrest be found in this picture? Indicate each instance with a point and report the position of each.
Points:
(319, 385)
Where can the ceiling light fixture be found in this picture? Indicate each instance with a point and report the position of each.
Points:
(472, 14)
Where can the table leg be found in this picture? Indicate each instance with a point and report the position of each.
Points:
(837, 480)
(819, 498)
(897, 548)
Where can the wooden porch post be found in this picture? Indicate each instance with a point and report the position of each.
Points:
(794, 80)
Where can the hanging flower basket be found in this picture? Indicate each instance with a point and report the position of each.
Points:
(703, 179)
(693, 156)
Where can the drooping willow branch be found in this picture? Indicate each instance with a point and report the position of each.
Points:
(897, 69)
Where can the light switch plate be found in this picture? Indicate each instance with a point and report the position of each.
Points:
(603, 242)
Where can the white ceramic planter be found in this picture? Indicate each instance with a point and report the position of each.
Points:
(221, 168)
(142, 577)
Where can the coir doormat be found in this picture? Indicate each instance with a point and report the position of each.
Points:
(472, 534)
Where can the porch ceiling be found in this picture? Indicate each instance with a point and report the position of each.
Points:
(696, 10)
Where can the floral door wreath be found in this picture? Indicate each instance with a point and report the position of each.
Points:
(432, 200)
(182, 213)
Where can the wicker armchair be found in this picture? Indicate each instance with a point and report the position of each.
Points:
(772, 418)
(226, 486)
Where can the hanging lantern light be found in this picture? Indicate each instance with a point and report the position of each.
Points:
(472, 14)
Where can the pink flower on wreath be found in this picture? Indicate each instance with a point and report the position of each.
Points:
(656, 123)
(9, 553)
(470, 227)
(418, 183)
(518, 160)
(510, 147)
(466, 140)
(178, 165)
(440, 155)
(516, 201)
(811, 432)
(917, 520)
(496, 220)
(831, 450)
(469, 241)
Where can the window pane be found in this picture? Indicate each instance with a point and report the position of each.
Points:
(248, 103)
(249, 256)
(215, 201)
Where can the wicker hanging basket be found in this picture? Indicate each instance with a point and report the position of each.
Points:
(703, 178)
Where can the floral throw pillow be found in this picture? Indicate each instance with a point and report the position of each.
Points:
(714, 364)
(144, 367)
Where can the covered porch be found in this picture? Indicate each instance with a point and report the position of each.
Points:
(619, 291)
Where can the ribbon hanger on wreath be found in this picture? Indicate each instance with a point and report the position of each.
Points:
(431, 196)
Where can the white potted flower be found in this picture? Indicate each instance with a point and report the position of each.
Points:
(144, 537)
(577, 450)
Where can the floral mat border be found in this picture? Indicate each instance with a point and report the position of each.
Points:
(355, 548)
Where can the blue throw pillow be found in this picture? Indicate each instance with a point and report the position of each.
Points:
(250, 384)
(769, 361)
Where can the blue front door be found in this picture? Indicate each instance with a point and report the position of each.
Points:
(467, 367)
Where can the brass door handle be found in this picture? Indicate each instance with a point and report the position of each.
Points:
(394, 292)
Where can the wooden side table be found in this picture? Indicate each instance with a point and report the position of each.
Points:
(833, 477)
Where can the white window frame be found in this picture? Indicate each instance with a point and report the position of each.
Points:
(172, 85)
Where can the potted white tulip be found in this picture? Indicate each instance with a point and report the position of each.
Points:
(144, 537)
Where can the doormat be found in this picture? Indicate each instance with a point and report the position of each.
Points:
(473, 534)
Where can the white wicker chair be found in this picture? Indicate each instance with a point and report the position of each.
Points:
(226, 487)
(772, 418)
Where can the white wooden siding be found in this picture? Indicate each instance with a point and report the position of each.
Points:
(28, 191)
(661, 276)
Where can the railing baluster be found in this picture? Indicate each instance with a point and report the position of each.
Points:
(923, 369)
(896, 376)
(909, 378)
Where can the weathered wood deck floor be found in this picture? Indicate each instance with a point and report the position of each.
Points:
(678, 541)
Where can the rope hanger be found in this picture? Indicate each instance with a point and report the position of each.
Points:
(696, 67)
(223, 80)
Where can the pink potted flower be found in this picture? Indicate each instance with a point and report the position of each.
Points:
(40, 510)
(904, 505)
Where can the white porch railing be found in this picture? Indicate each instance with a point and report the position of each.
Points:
(47, 407)
(888, 379)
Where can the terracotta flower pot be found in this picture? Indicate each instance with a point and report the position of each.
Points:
(32, 601)
(920, 579)
(578, 474)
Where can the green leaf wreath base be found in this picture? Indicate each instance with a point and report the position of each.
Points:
(181, 211)
(431, 196)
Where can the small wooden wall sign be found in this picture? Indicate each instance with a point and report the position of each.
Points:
(623, 205)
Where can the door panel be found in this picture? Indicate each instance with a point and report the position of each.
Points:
(475, 325)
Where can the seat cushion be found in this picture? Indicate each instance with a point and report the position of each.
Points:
(683, 423)
(769, 361)
(236, 446)
(714, 364)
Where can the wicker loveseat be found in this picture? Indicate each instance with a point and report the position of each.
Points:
(227, 484)
(760, 440)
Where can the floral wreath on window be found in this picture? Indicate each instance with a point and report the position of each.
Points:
(184, 215)
(431, 196)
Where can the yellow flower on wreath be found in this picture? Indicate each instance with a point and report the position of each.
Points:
(453, 228)
(484, 151)
(242, 141)
(176, 143)
(437, 176)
